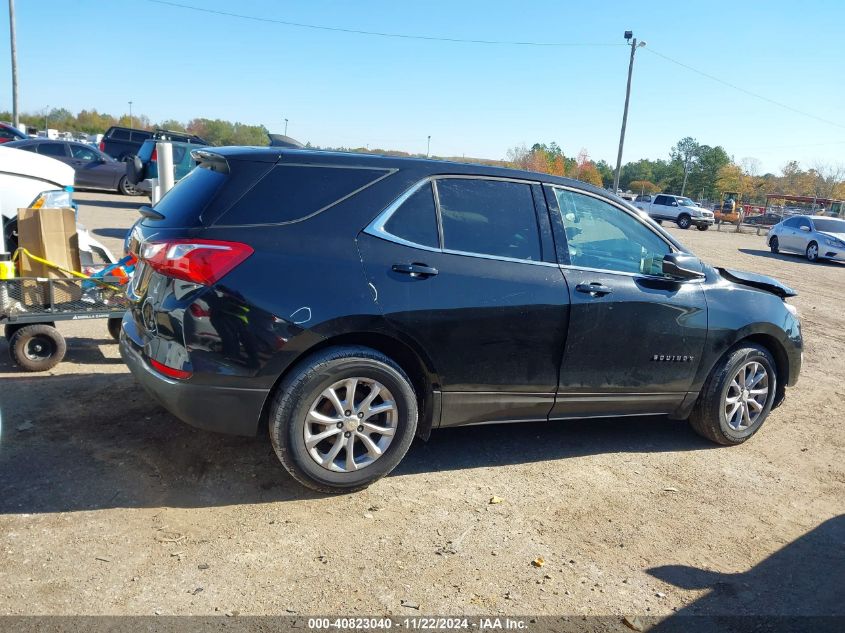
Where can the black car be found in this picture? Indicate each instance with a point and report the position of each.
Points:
(92, 169)
(350, 302)
(122, 142)
(764, 219)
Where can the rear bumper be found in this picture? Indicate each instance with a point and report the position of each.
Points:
(228, 410)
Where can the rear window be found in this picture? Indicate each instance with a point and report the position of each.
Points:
(293, 192)
(183, 205)
(119, 135)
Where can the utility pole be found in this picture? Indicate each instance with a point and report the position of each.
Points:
(686, 173)
(428, 147)
(130, 115)
(46, 115)
(286, 127)
(12, 37)
(633, 44)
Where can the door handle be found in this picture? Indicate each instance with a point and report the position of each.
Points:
(594, 289)
(420, 271)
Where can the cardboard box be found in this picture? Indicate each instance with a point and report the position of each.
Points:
(49, 234)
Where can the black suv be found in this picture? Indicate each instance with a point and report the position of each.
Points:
(350, 302)
(121, 142)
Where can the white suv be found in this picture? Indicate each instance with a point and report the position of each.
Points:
(679, 209)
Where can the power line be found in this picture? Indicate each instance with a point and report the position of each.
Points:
(406, 36)
(743, 90)
(456, 40)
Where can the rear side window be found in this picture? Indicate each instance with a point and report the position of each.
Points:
(183, 205)
(416, 220)
(120, 135)
(52, 149)
(489, 217)
(293, 192)
(141, 136)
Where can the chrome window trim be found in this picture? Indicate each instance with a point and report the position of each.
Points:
(376, 227)
(636, 217)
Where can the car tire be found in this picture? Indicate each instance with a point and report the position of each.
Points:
(684, 221)
(37, 347)
(720, 412)
(126, 188)
(703, 227)
(812, 252)
(114, 325)
(303, 409)
(774, 245)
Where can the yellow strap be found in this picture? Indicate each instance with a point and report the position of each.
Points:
(22, 251)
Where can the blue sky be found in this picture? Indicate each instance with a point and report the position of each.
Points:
(475, 100)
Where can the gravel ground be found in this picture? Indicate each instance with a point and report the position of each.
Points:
(108, 505)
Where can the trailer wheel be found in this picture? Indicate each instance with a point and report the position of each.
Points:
(37, 347)
(10, 328)
(114, 327)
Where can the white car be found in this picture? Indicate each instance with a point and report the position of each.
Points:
(24, 178)
(678, 209)
(815, 237)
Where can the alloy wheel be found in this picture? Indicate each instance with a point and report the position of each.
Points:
(813, 252)
(350, 424)
(746, 396)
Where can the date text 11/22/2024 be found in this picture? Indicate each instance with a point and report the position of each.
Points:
(418, 623)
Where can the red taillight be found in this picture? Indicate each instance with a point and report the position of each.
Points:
(199, 261)
(154, 156)
(102, 146)
(170, 372)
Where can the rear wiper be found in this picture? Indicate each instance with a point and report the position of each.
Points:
(148, 212)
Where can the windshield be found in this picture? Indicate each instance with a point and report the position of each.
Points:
(829, 225)
(686, 202)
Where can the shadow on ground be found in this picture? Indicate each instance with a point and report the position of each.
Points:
(129, 203)
(92, 441)
(799, 587)
(118, 234)
(80, 351)
(797, 259)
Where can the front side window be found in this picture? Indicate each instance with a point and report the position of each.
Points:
(83, 153)
(415, 220)
(664, 200)
(602, 236)
(802, 222)
(791, 223)
(489, 217)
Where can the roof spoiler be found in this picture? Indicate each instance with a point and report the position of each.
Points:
(210, 160)
(280, 140)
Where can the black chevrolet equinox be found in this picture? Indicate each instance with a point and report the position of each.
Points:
(350, 302)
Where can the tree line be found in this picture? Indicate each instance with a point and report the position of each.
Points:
(215, 131)
(693, 169)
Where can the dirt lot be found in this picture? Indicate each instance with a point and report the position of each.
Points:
(108, 505)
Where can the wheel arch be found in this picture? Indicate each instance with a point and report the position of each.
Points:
(416, 365)
(778, 352)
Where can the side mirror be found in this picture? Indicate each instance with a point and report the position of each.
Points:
(805, 228)
(682, 266)
(674, 204)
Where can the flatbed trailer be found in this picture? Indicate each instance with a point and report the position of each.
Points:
(30, 307)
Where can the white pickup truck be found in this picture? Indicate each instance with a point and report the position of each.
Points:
(678, 209)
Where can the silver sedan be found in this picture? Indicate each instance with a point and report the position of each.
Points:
(814, 237)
